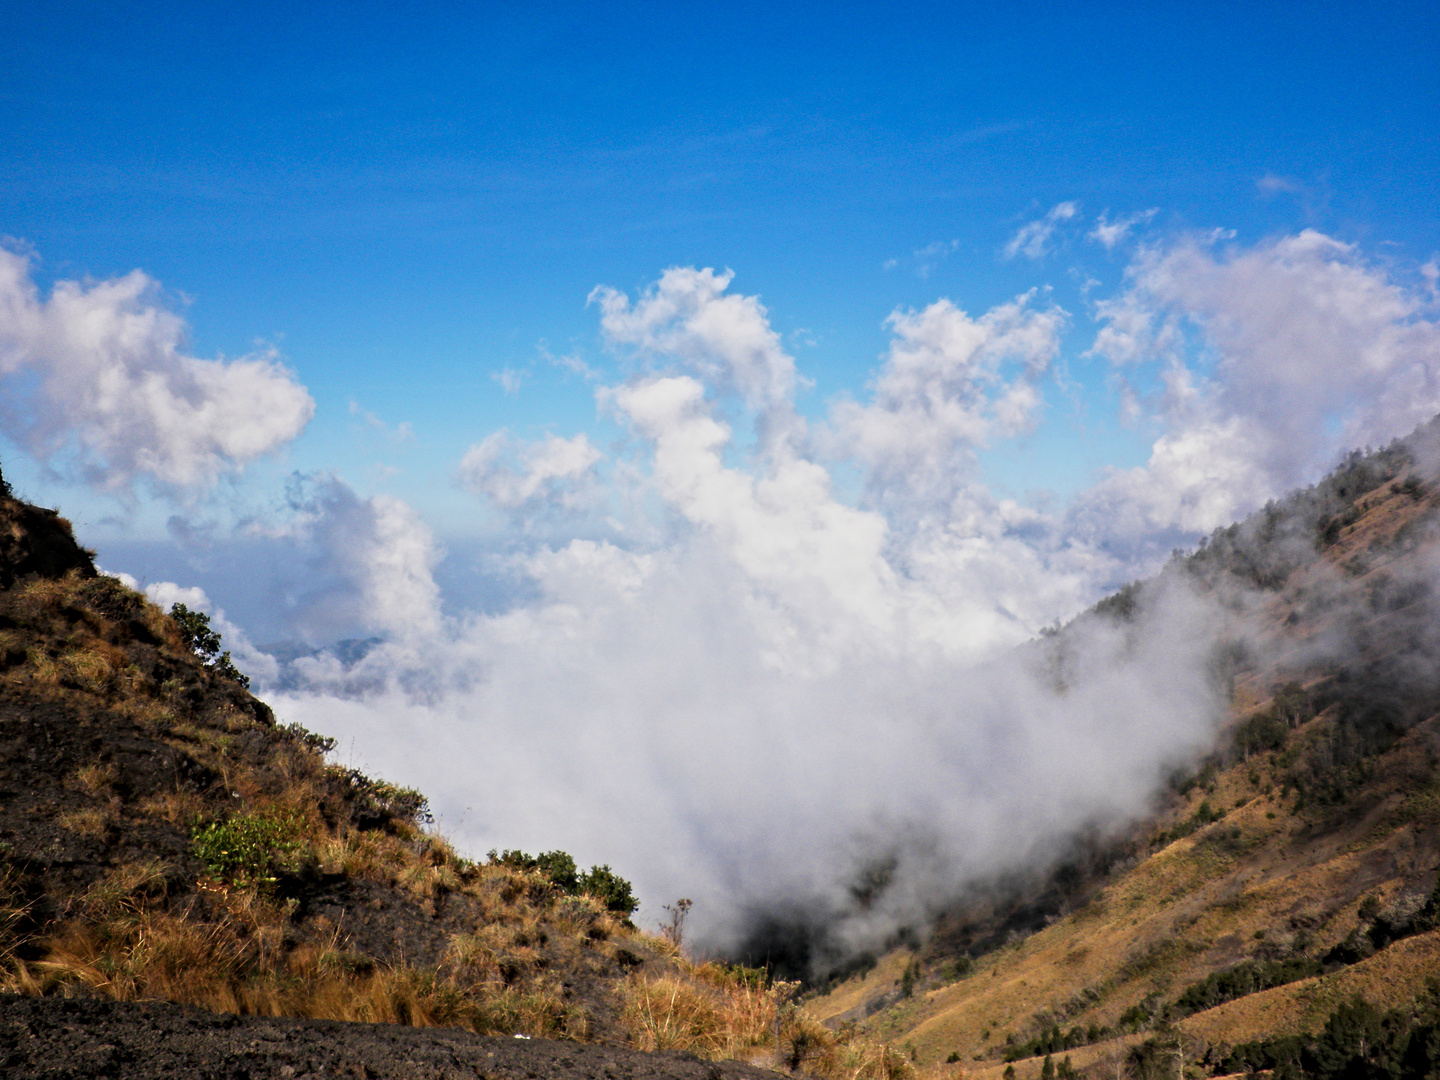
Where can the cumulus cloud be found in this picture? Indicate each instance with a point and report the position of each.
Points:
(97, 379)
(512, 474)
(1305, 349)
(1110, 233)
(688, 317)
(942, 392)
(1033, 240)
(363, 565)
(778, 695)
(785, 684)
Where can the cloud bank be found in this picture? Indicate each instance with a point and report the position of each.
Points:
(1303, 349)
(782, 687)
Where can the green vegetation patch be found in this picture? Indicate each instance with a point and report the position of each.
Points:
(1359, 1040)
(1249, 977)
(196, 633)
(248, 850)
(601, 882)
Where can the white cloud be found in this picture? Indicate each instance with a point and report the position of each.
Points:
(509, 379)
(1110, 233)
(97, 377)
(687, 316)
(1033, 240)
(1311, 350)
(815, 565)
(942, 393)
(361, 565)
(403, 432)
(782, 683)
(1271, 184)
(681, 688)
(511, 474)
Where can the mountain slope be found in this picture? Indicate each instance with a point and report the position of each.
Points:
(162, 837)
(1303, 852)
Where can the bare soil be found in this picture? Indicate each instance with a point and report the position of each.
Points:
(60, 1039)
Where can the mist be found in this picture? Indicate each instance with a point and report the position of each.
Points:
(654, 729)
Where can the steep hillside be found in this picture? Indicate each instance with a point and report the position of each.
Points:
(162, 837)
(1294, 868)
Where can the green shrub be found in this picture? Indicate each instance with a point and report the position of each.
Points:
(1247, 977)
(321, 744)
(1260, 733)
(610, 889)
(248, 849)
(196, 633)
(599, 881)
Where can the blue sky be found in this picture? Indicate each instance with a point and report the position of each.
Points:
(399, 321)
(435, 190)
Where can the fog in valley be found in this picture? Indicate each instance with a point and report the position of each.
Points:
(750, 654)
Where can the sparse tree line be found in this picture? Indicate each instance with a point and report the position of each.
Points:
(1359, 1041)
(1377, 929)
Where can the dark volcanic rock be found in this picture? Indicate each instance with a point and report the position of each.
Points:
(79, 1038)
(34, 540)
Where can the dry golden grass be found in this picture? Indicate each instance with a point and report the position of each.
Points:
(124, 888)
(38, 598)
(135, 703)
(13, 909)
(179, 808)
(88, 668)
(95, 779)
(849, 1055)
(369, 855)
(718, 1012)
(90, 821)
(40, 667)
(668, 1012)
(240, 963)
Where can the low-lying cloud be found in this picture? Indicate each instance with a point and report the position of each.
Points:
(780, 685)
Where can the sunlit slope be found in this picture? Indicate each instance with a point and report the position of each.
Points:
(1307, 839)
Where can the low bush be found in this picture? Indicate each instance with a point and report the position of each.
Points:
(616, 893)
(195, 631)
(248, 849)
(1249, 977)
